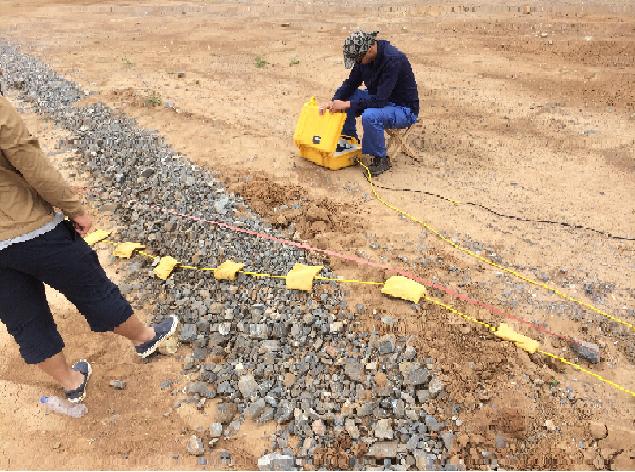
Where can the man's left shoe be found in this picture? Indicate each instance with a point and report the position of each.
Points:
(163, 331)
(78, 394)
(377, 166)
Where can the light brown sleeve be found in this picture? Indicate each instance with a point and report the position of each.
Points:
(23, 152)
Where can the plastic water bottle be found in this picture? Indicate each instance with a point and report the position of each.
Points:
(64, 407)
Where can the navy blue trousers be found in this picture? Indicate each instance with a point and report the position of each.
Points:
(62, 260)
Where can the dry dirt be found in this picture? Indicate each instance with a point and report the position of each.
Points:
(532, 114)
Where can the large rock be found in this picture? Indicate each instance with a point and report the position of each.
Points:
(387, 344)
(354, 370)
(215, 430)
(318, 427)
(255, 409)
(586, 350)
(383, 429)
(414, 374)
(201, 389)
(195, 446)
(188, 332)
(386, 449)
(351, 428)
(432, 423)
(225, 412)
(276, 461)
(248, 386)
(424, 460)
(435, 387)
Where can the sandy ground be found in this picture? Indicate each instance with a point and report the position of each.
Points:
(135, 428)
(531, 114)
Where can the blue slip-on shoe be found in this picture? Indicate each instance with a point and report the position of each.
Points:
(78, 394)
(163, 331)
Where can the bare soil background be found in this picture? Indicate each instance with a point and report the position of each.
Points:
(528, 110)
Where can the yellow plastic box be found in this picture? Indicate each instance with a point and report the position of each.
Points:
(317, 136)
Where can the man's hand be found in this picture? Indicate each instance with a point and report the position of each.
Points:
(335, 106)
(326, 106)
(339, 106)
(82, 224)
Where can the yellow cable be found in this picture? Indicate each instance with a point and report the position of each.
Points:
(258, 274)
(485, 260)
(348, 281)
(588, 372)
(145, 254)
(545, 353)
(432, 300)
(457, 312)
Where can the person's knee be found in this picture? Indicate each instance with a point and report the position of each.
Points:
(370, 117)
(106, 315)
(37, 339)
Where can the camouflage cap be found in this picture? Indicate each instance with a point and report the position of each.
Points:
(356, 45)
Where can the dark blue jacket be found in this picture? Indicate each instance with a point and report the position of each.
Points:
(389, 78)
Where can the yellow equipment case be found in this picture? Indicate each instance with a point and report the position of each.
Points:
(318, 137)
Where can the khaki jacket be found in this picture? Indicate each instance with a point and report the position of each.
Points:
(30, 186)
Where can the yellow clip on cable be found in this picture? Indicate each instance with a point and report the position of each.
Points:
(301, 277)
(165, 267)
(96, 236)
(404, 288)
(125, 250)
(228, 270)
(524, 342)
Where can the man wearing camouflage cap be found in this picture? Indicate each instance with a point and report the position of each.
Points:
(391, 99)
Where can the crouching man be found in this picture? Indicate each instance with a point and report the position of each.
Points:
(390, 100)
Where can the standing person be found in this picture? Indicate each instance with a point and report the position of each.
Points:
(390, 100)
(38, 246)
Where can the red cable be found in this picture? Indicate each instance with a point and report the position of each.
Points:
(359, 260)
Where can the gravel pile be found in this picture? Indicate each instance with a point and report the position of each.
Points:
(354, 400)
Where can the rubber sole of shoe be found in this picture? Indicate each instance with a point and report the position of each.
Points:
(153, 349)
(90, 371)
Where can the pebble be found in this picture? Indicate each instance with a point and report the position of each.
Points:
(318, 427)
(276, 461)
(215, 430)
(248, 386)
(118, 384)
(225, 412)
(435, 387)
(351, 428)
(225, 457)
(586, 350)
(255, 409)
(195, 446)
(383, 429)
(384, 449)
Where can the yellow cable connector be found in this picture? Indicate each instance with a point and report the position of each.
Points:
(228, 270)
(404, 288)
(524, 342)
(96, 236)
(125, 250)
(165, 267)
(301, 277)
